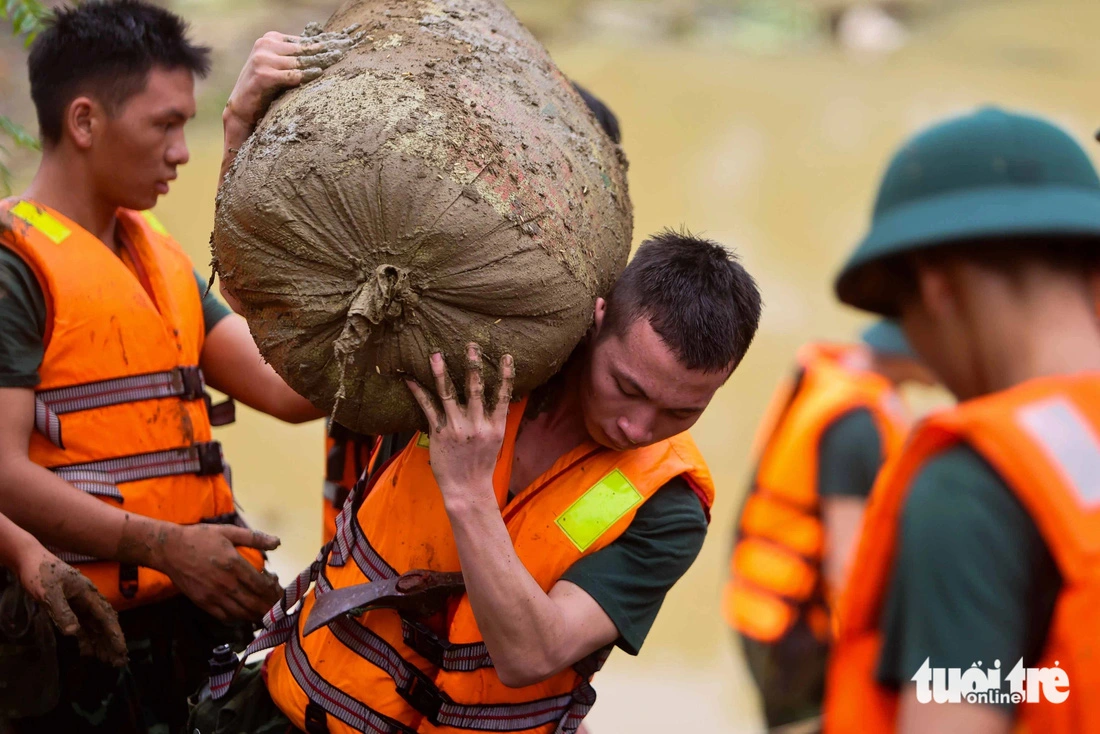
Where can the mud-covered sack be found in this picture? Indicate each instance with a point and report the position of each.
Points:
(443, 183)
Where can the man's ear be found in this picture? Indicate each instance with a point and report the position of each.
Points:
(935, 291)
(83, 118)
(598, 316)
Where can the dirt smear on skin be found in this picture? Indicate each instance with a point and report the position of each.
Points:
(441, 184)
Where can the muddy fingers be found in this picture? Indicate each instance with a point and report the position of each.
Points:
(322, 60)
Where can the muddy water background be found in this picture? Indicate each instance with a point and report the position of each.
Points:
(775, 153)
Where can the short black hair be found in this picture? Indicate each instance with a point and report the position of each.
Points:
(699, 299)
(105, 48)
(607, 119)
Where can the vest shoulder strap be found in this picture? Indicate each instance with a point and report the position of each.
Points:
(1043, 438)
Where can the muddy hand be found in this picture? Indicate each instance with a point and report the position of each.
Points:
(76, 607)
(465, 439)
(278, 62)
(203, 562)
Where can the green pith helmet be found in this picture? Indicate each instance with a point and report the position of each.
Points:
(886, 337)
(987, 175)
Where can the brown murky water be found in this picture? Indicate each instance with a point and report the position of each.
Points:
(775, 156)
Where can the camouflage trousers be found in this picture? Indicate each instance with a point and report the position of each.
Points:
(247, 707)
(169, 644)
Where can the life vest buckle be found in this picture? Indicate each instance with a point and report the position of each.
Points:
(424, 641)
(194, 386)
(423, 696)
(211, 461)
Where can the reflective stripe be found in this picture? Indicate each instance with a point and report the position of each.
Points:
(335, 702)
(461, 658)
(353, 540)
(1069, 442)
(154, 223)
(101, 478)
(595, 511)
(480, 717)
(202, 458)
(185, 382)
(280, 622)
(71, 557)
(45, 223)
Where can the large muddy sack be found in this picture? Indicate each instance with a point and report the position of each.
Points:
(444, 183)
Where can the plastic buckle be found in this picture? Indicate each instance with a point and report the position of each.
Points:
(426, 644)
(316, 719)
(220, 414)
(193, 383)
(210, 458)
(423, 696)
(128, 580)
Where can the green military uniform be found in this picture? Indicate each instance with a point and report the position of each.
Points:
(987, 592)
(972, 579)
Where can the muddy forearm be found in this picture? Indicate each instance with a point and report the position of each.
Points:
(15, 542)
(58, 514)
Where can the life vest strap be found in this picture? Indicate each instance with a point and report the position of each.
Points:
(351, 542)
(424, 696)
(185, 383)
(444, 654)
(335, 702)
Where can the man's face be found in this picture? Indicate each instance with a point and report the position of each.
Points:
(635, 392)
(137, 150)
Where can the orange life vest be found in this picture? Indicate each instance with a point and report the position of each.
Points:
(119, 411)
(1043, 438)
(347, 456)
(775, 568)
(380, 672)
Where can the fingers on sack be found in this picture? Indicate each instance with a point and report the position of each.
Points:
(507, 380)
(475, 387)
(313, 28)
(444, 388)
(322, 60)
(305, 76)
(427, 405)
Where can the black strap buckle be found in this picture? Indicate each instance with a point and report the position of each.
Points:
(316, 720)
(128, 580)
(193, 383)
(424, 641)
(210, 458)
(220, 414)
(423, 696)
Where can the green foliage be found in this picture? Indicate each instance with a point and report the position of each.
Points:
(26, 18)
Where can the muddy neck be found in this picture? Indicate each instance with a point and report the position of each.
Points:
(555, 408)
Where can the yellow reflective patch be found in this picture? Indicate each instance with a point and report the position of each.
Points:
(154, 223)
(423, 441)
(54, 230)
(598, 509)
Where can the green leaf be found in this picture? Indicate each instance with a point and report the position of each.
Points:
(19, 136)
